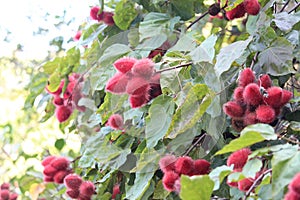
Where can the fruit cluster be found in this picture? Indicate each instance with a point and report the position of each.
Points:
(174, 167)
(77, 188)
(294, 189)
(251, 7)
(5, 193)
(106, 17)
(137, 78)
(238, 159)
(116, 122)
(56, 169)
(255, 101)
(66, 102)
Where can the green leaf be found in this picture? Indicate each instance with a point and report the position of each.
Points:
(159, 119)
(54, 82)
(150, 43)
(252, 167)
(196, 187)
(113, 52)
(197, 100)
(229, 54)
(277, 58)
(125, 13)
(285, 21)
(185, 9)
(185, 43)
(160, 192)
(206, 51)
(250, 135)
(218, 174)
(60, 143)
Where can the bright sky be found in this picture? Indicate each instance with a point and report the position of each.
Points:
(23, 17)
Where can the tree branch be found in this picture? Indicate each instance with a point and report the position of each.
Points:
(194, 145)
(285, 5)
(174, 67)
(198, 19)
(293, 9)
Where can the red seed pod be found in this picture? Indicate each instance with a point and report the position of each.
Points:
(184, 165)
(108, 18)
(95, 15)
(47, 160)
(237, 124)
(237, 12)
(73, 181)
(60, 163)
(233, 109)
(295, 184)
(63, 113)
(245, 184)
(250, 118)
(87, 188)
(232, 184)
(13, 196)
(4, 194)
(58, 101)
(238, 95)
(125, 64)
(74, 194)
(49, 171)
(137, 101)
(59, 89)
(116, 121)
(252, 95)
(117, 84)
(116, 190)
(252, 7)
(285, 97)
(169, 180)
(265, 81)
(265, 114)
(143, 67)
(239, 158)
(273, 97)
(48, 179)
(291, 195)
(167, 163)
(201, 167)
(246, 77)
(83, 197)
(60, 175)
(5, 186)
(137, 86)
(77, 35)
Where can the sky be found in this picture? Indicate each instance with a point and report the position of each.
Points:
(24, 17)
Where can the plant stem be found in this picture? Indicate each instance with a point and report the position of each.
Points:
(293, 9)
(285, 5)
(174, 67)
(194, 145)
(198, 19)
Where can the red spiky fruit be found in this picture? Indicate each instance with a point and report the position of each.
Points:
(5, 186)
(48, 179)
(274, 97)
(83, 197)
(47, 160)
(116, 190)
(252, 7)
(74, 194)
(245, 184)
(69, 90)
(201, 167)
(73, 181)
(115, 121)
(60, 163)
(167, 163)
(238, 158)
(252, 95)
(238, 94)
(87, 188)
(246, 77)
(291, 195)
(95, 15)
(265, 114)
(295, 184)
(117, 84)
(60, 175)
(125, 64)
(169, 180)
(63, 113)
(237, 12)
(137, 101)
(4, 194)
(108, 18)
(250, 118)
(285, 97)
(58, 101)
(237, 124)
(233, 109)
(143, 67)
(184, 165)
(13, 196)
(49, 170)
(137, 86)
(265, 81)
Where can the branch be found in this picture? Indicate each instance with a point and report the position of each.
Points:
(198, 19)
(295, 7)
(254, 60)
(255, 183)
(194, 145)
(174, 67)
(285, 5)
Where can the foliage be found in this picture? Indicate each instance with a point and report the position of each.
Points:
(199, 58)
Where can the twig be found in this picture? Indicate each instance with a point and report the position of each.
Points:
(194, 145)
(198, 19)
(77, 158)
(256, 182)
(174, 67)
(293, 9)
(285, 5)
(287, 139)
(254, 60)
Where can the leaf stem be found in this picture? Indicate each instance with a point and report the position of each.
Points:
(174, 67)
(198, 19)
